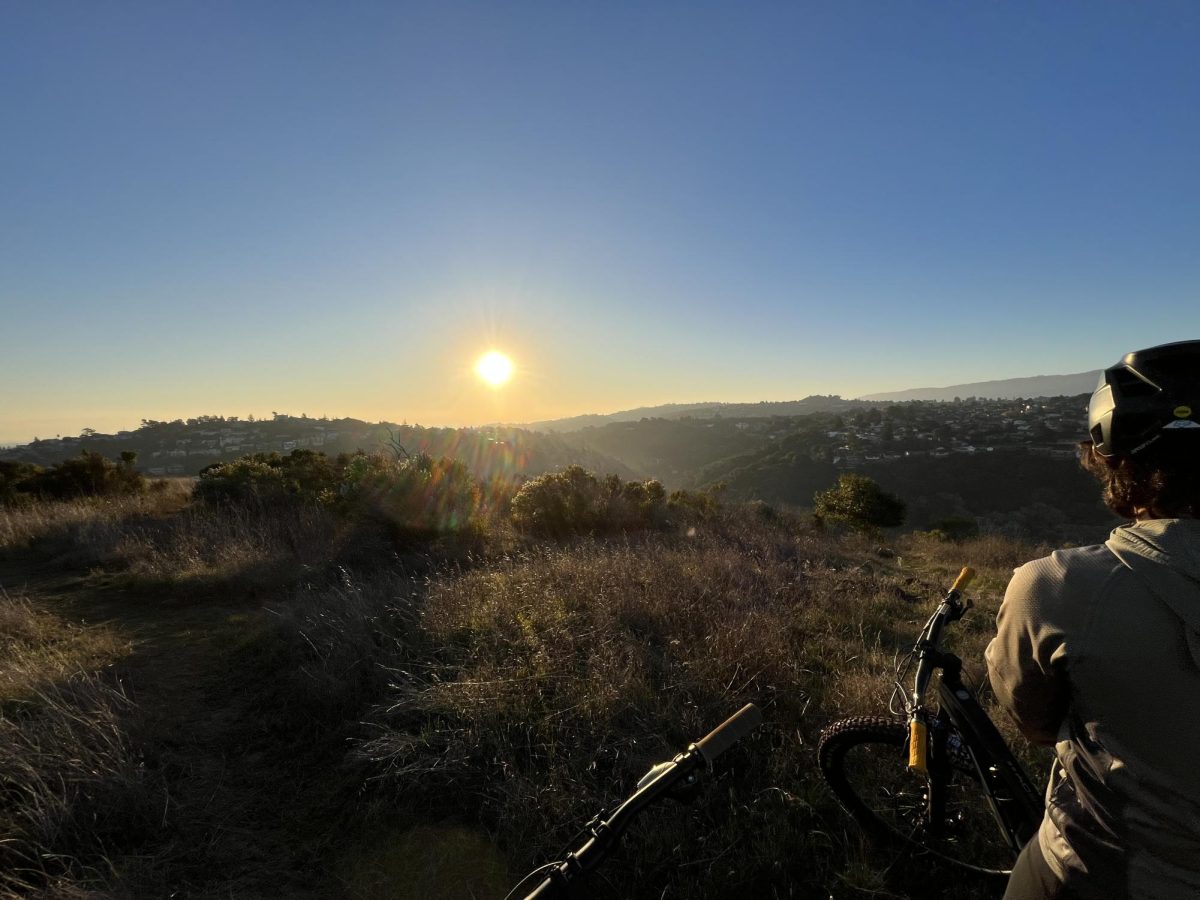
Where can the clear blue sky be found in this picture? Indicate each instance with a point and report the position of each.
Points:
(336, 207)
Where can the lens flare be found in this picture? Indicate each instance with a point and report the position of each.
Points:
(494, 367)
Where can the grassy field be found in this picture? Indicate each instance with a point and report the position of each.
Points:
(210, 701)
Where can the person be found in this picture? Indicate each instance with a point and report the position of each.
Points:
(1097, 653)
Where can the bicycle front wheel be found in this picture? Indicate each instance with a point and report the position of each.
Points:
(865, 762)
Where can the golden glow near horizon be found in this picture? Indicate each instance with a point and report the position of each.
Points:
(494, 367)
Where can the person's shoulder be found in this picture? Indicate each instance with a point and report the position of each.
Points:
(1069, 562)
(1064, 573)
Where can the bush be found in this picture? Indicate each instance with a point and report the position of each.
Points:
(558, 503)
(16, 480)
(693, 504)
(86, 475)
(240, 482)
(419, 496)
(574, 501)
(303, 475)
(860, 503)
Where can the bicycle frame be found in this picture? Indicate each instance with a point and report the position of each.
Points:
(1012, 797)
(1015, 803)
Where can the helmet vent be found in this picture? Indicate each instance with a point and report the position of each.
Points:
(1128, 384)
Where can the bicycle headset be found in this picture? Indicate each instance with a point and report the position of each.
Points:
(1147, 395)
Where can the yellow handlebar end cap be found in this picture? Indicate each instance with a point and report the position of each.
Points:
(965, 577)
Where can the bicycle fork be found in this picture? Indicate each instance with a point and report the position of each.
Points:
(928, 758)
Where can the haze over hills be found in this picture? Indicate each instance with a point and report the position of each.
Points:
(1006, 389)
(812, 404)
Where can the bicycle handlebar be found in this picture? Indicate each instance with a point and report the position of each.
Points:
(951, 609)
(729, 732)
(606, 830)
(965, 577)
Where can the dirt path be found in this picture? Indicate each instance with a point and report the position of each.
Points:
(245, 803)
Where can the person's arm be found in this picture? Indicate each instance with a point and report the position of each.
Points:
(1027, 658)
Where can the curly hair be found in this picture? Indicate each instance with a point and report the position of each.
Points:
(1161, 482)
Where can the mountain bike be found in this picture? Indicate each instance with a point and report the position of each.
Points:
(941, 780)
(676, 777)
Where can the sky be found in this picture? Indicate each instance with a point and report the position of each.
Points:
(336, 208)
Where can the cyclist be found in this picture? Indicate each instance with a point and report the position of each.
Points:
(1097, 653)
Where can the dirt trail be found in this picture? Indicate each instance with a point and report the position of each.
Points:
(242, 803)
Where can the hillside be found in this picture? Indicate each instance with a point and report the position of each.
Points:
(284, 700)
(1000, 462)
(671, 411)
(1017, 493)
(184, 447)
(673, 451)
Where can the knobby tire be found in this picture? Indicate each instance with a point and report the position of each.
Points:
(864, 760)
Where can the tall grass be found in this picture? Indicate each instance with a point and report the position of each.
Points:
(90, 524)
(72, 783)
(556, 677)
(202, 541)
(162, 538)
(499, 691)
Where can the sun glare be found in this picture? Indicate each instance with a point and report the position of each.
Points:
(494, 367)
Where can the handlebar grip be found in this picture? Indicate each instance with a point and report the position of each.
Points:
(964, 578)
(729, 732)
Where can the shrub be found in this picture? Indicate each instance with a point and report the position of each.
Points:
(421, 495)
(625, 505)
(558, 503)
(241, 481)
(86, 475)
(860, 503)
(693, 504)
(16, 480)
(303, 475)
(574, 501)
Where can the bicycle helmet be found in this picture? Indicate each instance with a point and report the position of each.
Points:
(1147, 395)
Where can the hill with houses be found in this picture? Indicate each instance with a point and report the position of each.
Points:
(1007, 463)
(185, 446)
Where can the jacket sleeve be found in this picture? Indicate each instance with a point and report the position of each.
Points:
(1027, 659)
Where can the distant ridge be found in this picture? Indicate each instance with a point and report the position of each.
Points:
(765, 408)
(1006, 389)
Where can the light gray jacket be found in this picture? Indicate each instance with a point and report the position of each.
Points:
(1098, 652)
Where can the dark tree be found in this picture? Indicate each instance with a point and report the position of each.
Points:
(860, 503)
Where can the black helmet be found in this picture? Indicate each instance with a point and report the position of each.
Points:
(1148, 394)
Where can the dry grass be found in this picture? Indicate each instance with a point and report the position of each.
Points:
(89, 524)
(202, 542)
(72, 783)
(161, 540)
(512, 694)
(38, 648)
(994, 555)
(556, 677)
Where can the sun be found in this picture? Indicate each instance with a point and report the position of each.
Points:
(494, 367)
